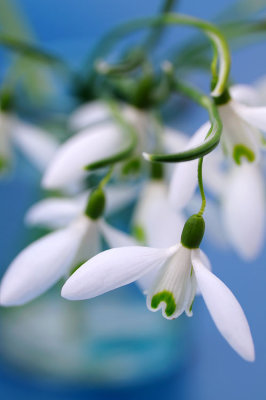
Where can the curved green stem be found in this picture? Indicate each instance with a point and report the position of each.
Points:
(210, 30)
(201, 188)
(123, 154)
(212, 137)
(133, 61)
(30, 50)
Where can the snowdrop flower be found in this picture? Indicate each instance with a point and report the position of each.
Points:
(183, 267)
(92, 144)
(38, 145)
(44, 262)
(243, 209)
(242, 124)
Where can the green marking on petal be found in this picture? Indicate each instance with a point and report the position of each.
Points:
(242, 151)
(168, 298)
(139, 233)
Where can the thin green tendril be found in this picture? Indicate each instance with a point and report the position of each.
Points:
(201, 188)
(212, 138)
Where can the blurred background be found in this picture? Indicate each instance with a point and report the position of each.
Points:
(108, 348)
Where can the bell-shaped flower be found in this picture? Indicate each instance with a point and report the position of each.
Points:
(44, 262)
(38, 145)
(182, 268)
(243, 209)
(242, 124)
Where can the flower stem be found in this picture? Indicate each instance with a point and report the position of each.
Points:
(212, 138)
(201, 188)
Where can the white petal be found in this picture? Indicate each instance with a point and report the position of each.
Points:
(237, 132)
(119, 196)
(91, 243)
(114, 237)
(255, 116)
(244, 210)
(112, 269)
(38, 145)
(174, 140)
(161, 225)
(225, 310)
(41, 265)
(213, 173)
(88, 114)
(184, 181)
(52, 213)
(90, 145)
(174, 281)
(245, 94)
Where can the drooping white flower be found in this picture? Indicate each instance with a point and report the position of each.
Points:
(243, 209)
(181, 269)
(90, 145)
(44, 262)
(38, 145)
(242, 124)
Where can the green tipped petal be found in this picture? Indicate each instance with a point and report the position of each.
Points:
(243, 151)
(166, 297)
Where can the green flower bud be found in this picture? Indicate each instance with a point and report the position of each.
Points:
(193, 232)
(96, 204)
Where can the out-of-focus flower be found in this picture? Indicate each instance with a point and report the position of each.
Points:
(44, 262)
(57, 212)
(155, 223)
(243, 209)
(241, 130)
(38, 145)
(182, 268)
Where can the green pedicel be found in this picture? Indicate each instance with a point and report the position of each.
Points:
(167, 298)
(242, 151)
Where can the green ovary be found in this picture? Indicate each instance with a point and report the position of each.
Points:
(242, 151)
(167, 298)
(139, 233)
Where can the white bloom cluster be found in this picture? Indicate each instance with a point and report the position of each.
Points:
(102, 167)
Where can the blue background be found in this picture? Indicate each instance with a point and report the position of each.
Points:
(70, 27)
